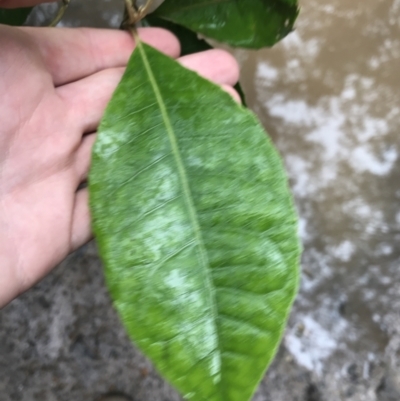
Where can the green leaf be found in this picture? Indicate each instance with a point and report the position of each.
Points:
(243, 23)
(15, 16)
(190, 42)
(196, 227)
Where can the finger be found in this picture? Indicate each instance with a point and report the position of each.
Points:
(232, 92)
(87, 99)
(81, 232)
(83, 158)
(216, 65)
(72, 54)
(22, 3)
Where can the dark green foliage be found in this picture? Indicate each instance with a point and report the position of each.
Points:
(242, 23)
(16, 16)
(190, 41)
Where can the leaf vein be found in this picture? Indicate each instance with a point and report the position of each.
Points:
(247, 293)
(133, 139)
(241, 322)
(137, 174)
(170, 256)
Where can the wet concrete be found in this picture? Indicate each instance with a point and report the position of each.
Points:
(329, 95)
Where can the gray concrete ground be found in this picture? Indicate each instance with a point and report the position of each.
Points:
(329, 96)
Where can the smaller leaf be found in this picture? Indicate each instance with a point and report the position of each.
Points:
(190, 41)
(241, 23)
(15, 16)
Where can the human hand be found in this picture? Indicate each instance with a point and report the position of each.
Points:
(54, 87)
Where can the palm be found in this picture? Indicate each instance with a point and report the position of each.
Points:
(55, 85)
(38, 173)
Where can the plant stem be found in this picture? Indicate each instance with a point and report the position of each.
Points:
(60, 14)
(135, 13)
(144, 9)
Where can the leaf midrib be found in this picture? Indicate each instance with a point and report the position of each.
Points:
(185, 186)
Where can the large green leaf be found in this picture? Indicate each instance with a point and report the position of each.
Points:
(16, 16)
(190, 42)
(196, 227)
(242, 23)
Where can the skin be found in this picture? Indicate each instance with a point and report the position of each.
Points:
(54, 86)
